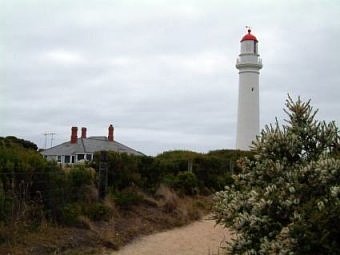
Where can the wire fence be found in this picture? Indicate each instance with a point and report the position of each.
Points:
(23, 194)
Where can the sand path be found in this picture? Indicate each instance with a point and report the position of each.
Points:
(199, 238)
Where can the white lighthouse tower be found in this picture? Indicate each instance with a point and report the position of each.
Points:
(248, 116)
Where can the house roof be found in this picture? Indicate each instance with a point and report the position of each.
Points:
(89, 145)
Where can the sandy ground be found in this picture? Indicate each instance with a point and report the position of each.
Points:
(199, 238)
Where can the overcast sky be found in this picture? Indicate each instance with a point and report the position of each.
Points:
(162, 72)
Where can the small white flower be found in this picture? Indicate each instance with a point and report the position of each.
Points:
(321, 205)
(335, 191)
(291, 189)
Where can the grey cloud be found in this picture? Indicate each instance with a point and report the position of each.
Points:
(163, 74)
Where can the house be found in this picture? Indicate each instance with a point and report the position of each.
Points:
(83, 148)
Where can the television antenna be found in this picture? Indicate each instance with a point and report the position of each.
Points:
(50, 135)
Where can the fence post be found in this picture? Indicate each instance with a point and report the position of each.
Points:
(190, 163)
(103, 175)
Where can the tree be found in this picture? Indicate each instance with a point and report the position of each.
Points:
(287, 199)
(10, 140)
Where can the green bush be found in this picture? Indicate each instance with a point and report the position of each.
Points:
(97, 211)
(123, 170)
(212, 170)
(186, 183)
(12, 140)
(25, 182)
(169, 180)
(126, 198)
(78, 179)
(80, 175)
(286, 200)
(33, 189)
(70, 214)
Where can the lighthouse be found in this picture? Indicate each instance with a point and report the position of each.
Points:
(248, 116)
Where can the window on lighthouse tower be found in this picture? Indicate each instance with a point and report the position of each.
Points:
(255, 47)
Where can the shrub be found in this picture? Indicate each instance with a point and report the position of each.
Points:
(10, 140)
(70, 214)
(79, 175)
(97, 211)
(212, 170)
(122, 170)
(79, 179)
(169, 180)
(186, 183)
(26, 183)
(126, 198)
(287, 199)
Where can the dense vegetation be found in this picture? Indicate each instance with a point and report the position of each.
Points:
(286, 200)
(187, 172)
(36, 192)
(33, 189)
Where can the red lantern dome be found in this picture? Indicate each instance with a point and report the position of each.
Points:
(249, 37)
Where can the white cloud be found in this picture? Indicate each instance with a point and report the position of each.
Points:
(62, 56)
(202, 63)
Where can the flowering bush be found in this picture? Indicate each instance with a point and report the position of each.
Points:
(287, 199)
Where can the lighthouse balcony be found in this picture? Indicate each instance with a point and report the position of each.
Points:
(249, 62)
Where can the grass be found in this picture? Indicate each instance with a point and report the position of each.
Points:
(149, 215)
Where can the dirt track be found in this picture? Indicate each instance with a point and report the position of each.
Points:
(199, 238)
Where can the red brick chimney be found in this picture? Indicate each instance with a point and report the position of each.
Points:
(83, 132)
(110, 137)
(74, 135)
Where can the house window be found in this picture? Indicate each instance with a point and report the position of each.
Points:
(59, 159)
(67, 159)
(72, 159)
(80, 157)
(88, 157)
